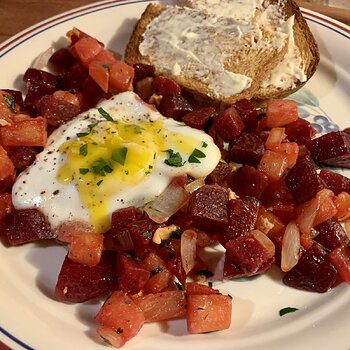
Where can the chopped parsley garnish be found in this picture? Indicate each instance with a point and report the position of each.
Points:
(193, 158)
(156, 270)
(82, 134)
(101, 167)
(204, 144)
(119, 155)
(287, 310)
(146, 234)
(10, 101)
(179, 286)
(99, 182)
(83, 171)
(105, 114)
(83, 151)
(137, 128)
(210, 284)
(174, 159)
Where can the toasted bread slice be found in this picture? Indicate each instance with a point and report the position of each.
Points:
(303, 51)
(215, 58)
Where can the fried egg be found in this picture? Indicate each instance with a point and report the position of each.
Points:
(121, 153)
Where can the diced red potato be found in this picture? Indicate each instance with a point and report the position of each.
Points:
(193, 288)
(25, 132)
(77, 283)
(342, 203)
(281, 113)
(121, 314)
(120, 77)
(327, 208)
(111, 336)
(85, 245)
(85, 49)
(267, 222)
(162, 306)
(208, 313)
(290, 150)
(340, 259)
(160, 275)
(7, 168)
(274, 165)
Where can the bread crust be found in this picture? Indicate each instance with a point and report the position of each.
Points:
(268, 60)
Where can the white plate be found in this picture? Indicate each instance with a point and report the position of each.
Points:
(31, 319)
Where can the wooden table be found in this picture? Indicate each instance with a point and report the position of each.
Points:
(16, 15)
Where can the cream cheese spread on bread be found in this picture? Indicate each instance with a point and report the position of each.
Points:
(191, 41)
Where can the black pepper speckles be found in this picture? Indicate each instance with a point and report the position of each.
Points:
(56, 192)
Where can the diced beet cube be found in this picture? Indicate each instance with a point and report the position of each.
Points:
(62, 58)
(249, 182)
(242, 216)
(228, 124)
(40, 77)
(248, 114)
(220, 175)
(39, 84)
(119, 227)
(131, 275)
(174, 106)
(331, 149)
(74, 78)
(143, 71)
(303, 180)
(247, 255)
(284, 211)
(57, 111)
(77, 283)
(141, 233)
(26, 225)
(247, 149)
(164, 86)
(207, 207)
(175, 267)
(331, 234)
(312, 272)
(199, 117)
(300, 131)
(17, 97)
(22, 157)
(92, 92)
(335, 182)
(276, 191)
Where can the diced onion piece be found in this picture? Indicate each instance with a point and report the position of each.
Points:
(194, 185)
(43, 59)
(264, 242)
(275, 138)
(163, 233)
(111, 336)
(188, 250)
(167, 203)
(306, 215)
(290, 247)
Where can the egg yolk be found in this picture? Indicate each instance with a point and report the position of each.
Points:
(112, 156)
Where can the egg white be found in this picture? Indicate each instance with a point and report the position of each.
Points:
(38, 186)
